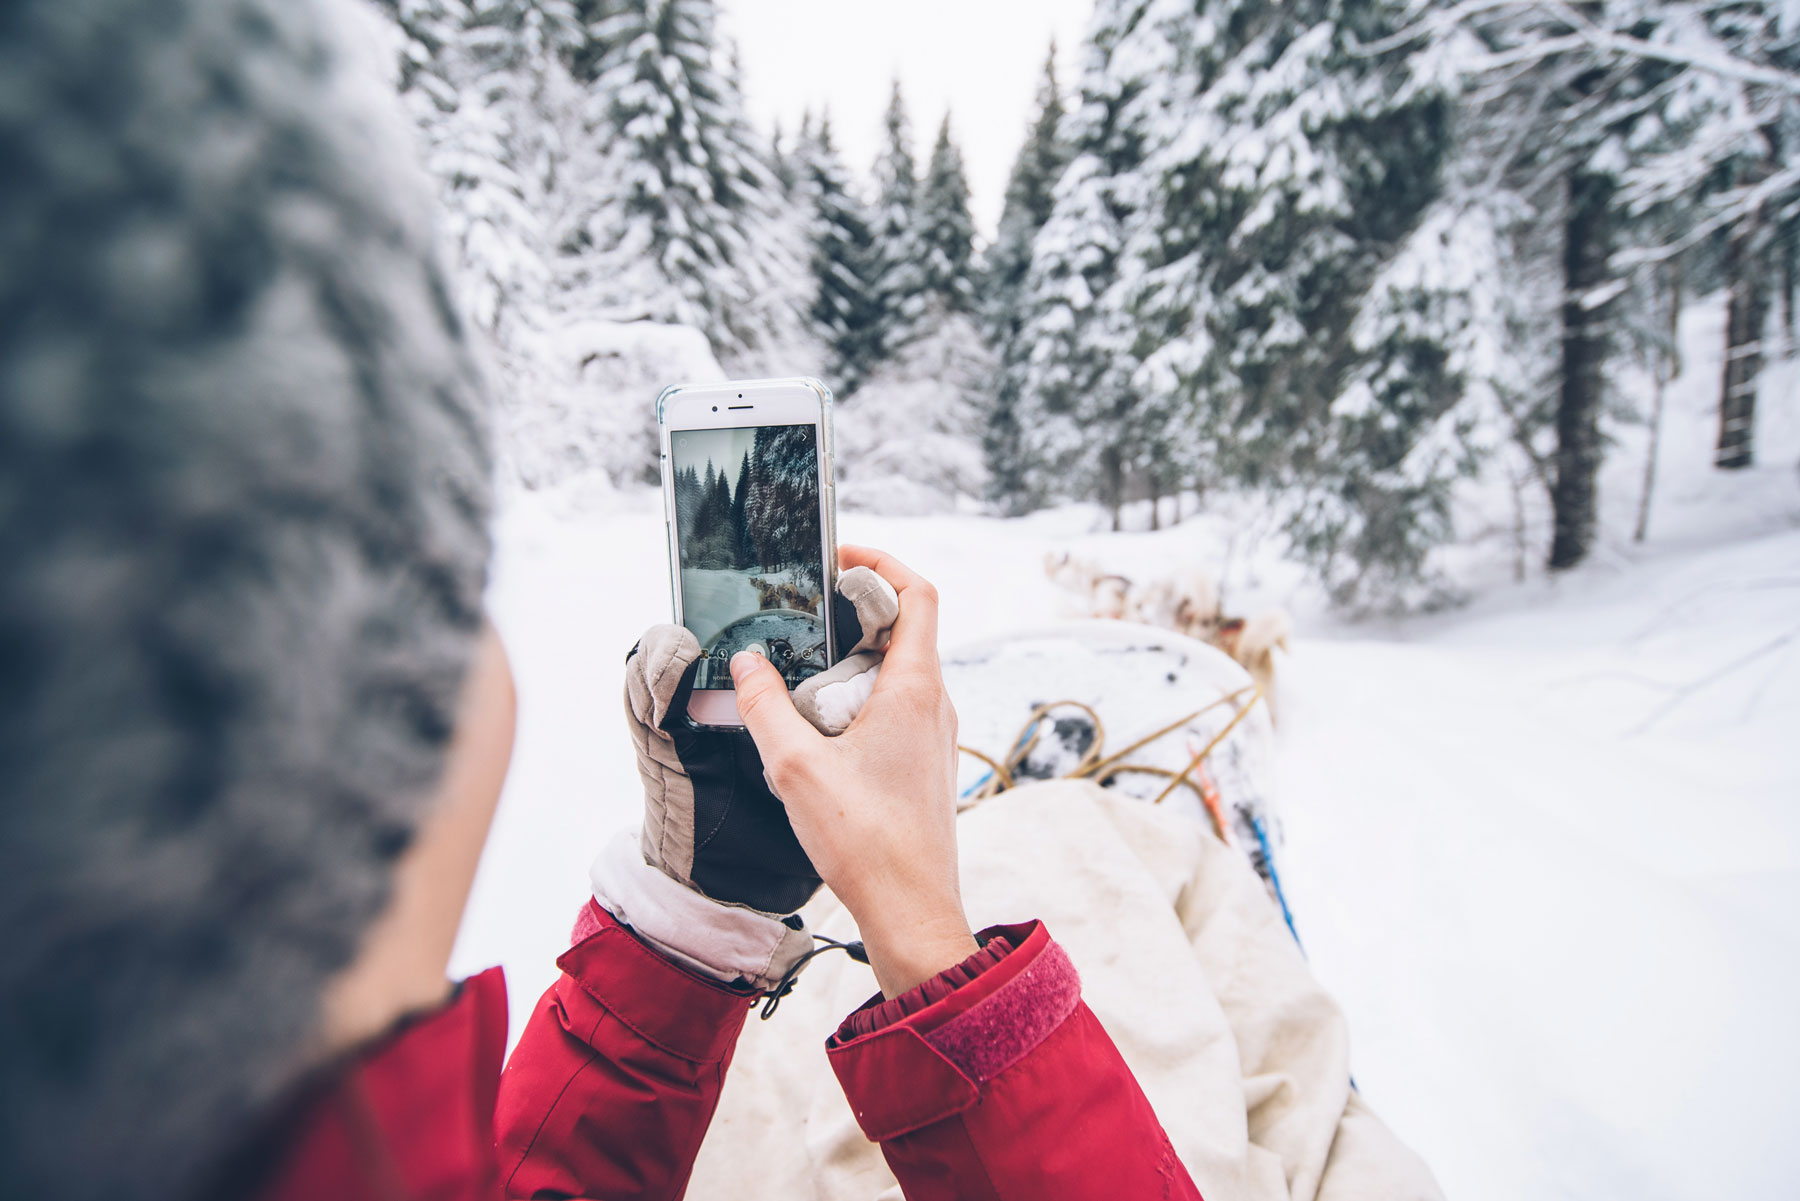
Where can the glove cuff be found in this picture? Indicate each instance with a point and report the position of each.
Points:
(723, 942)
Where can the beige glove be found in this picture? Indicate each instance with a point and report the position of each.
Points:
(710, 819)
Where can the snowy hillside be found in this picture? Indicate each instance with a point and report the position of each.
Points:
(1545, 849)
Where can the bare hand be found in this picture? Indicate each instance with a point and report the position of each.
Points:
(875, 807)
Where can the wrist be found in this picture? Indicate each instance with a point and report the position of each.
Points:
(912, 948)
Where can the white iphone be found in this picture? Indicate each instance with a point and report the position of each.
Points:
(746, 473)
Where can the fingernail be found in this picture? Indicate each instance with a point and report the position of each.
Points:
(743, 663)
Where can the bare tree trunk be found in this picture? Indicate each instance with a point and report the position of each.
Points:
(1665, 366)
(1112, 483)
(1747, 310)
(1790, 280)
(1587, 243)
(1519, 532)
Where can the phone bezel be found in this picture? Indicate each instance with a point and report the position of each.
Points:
(746, 404)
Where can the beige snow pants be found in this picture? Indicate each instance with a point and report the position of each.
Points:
(1184, 959)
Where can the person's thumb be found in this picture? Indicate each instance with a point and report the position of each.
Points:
(768, 711)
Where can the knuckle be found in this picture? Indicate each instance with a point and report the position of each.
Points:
(786, 767)
(928, 592)
(777, 761)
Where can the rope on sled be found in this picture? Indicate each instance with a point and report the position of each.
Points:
(1092, 766)
(1100, 769)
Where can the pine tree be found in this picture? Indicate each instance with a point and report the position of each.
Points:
(587, 51)
(485, 80)
(1578, 125)
(1210, 300)
(844, 310)
(944, 232)
(687, 503)
(1301, 166)
(669, 227)
(431, 28)
(1750, 147)
(1078, 403)
(783, 160)
(899, 279)
(743, 546)
(784, 500)
(1029, 199)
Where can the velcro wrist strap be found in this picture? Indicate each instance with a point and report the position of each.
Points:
(870, 1067)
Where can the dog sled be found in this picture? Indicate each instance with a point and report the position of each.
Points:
(1161, 717)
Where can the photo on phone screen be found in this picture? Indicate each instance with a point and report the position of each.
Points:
(752, 557)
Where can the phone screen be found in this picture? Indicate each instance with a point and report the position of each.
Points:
(752, 552)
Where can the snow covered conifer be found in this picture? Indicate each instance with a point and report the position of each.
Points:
(1077, 402)
(1748, 140)
(944, 232)
(681, 193)
(431, 28)
(587, 52)
(497, 160)
(844, 311)
(899, 277)
(1029, 199)
(782, 160)
(906, 447)
(1295, 166)
(1286, 167)
(1588, 134)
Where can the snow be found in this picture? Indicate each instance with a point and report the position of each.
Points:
(719, 597)
(908, 441)
(1545, 849)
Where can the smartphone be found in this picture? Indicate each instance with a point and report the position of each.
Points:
(751, 514)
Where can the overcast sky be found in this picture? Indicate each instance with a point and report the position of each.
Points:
(978, 58)
(725, 449)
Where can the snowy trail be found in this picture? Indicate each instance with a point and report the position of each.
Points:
(715, 599)
(1567, 948)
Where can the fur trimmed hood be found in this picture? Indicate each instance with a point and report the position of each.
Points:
(244, 491)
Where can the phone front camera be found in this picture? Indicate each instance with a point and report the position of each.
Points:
(715, 408)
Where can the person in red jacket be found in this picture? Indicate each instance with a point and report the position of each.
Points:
(255, 726)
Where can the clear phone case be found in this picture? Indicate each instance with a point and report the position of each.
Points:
(827, 484)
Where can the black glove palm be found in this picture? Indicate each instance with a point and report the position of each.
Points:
(710, 819)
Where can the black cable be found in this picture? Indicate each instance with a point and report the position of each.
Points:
(789, 978)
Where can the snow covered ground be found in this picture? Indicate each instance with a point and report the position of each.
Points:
(713, 599)
(1545, 849)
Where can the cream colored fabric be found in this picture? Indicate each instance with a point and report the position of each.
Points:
(1186, 963)
(726, 942)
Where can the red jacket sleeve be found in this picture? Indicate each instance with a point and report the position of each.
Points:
(617, 1074)
(1005, 1088)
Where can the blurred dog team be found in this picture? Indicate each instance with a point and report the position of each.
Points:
(1186, 602)
(785, 594)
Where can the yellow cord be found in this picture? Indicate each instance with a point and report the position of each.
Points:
(1100, 769)
(1208, 749)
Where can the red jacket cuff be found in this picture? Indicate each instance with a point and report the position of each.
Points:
(946, 1050)
(666, 1005)
(877, 1013)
